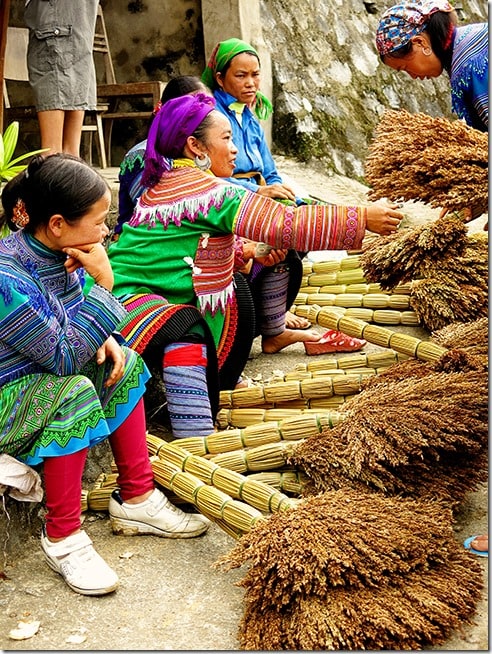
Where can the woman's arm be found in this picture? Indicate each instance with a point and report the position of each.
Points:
(41, 330)
(313, 226)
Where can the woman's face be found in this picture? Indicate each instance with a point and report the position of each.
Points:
(416, 63)
(242, 78)
(90, 228)
(220, 147)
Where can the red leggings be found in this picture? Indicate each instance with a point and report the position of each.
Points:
(63, 474)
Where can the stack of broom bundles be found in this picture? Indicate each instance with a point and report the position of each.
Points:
(367, 558)
(449, 269)
(438, 270)
(440, 162)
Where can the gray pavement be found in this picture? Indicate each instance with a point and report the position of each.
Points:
(170, 595)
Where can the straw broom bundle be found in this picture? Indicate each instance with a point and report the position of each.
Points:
(418, 436)
(401, 343)
(473, 337)
(457, 290)
(411, 253)
(445, 163)
(346, 570)
(450, 271)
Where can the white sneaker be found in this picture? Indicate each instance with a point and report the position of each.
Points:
(75, 559)
(154, 516)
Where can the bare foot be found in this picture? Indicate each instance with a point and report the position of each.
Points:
(480, 543)
(272, 344)
(296, 322)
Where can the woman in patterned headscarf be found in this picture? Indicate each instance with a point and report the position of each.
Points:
(421, 37)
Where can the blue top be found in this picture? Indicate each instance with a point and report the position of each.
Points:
(46, 323)
(469, 75)
(130, 177)
(249, 137)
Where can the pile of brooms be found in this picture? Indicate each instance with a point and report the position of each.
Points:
(347, 525)
(340, 480)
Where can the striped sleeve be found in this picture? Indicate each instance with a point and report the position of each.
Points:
(59, 343)
(302, 228)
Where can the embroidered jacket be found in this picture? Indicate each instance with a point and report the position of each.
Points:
(46, 324)
(180, 241)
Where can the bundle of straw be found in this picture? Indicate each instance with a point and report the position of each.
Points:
(411, 253)
(402, 343)
(420, 436)
(354, 571)
(473, 337)
(441, 162)
(449, 269)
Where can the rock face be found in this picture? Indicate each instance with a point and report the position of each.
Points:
(330, 87)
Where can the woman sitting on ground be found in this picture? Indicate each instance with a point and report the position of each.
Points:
(267, 283)
(65, 382)
(179, 242)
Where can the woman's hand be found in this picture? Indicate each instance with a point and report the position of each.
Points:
(467, 213)
(383, 219)
(272, 258)
(94, 259)
(277, 191)
(111, 350)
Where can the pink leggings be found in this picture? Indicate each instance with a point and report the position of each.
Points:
(63, 474)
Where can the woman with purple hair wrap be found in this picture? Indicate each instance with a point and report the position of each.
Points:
(179, 243)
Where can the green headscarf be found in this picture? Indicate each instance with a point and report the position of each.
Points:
(220, 57)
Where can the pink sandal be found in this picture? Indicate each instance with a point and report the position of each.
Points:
(334, 341)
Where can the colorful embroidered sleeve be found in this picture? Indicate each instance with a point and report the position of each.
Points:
(303, 228)
(57, 340)
(130, 177)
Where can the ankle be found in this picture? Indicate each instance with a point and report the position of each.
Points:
(138, 499)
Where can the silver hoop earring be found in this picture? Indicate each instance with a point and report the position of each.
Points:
(427, 51)
(203, 162)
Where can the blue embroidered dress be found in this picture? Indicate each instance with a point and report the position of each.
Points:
(469, 75)
(52, 395)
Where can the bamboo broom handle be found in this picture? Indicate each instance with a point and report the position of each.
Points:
(256, 493)
(403, 343)
(296, 389)
(289, 429)
(233, 516)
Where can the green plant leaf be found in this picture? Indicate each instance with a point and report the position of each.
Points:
(2, 155)
(10, 138)
(26, 156)
(11, 172)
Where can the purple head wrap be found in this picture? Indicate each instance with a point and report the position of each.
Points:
(175, 121)
(400, 23)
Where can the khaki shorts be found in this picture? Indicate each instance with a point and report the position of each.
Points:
(59, 58)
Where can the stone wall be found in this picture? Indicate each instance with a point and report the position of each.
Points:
(330, 87)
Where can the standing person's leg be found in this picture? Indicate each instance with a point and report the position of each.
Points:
(51, 129)
(72, 131)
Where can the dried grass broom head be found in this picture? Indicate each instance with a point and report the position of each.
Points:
(412, 253)
(437, 161)
(419, 436)
(349, 570)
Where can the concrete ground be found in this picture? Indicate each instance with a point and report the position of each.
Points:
(170, 595)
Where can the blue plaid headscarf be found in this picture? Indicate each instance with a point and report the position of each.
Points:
(400, 23)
